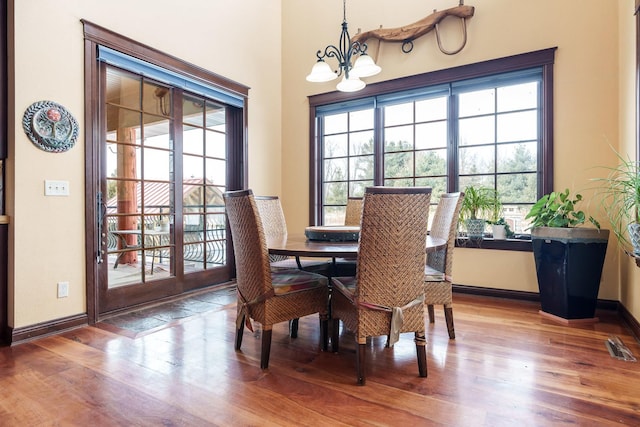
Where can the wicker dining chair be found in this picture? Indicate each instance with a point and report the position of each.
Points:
(265, 295)
(353, 213)
(275, 227)
(386, 296)
(352, 217)
(438, 286)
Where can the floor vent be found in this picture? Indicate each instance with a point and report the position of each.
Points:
(618, 350)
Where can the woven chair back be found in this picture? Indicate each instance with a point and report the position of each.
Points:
(273, 221)
(445, 226)
(253, 272)
(391, 255)
(353, 213)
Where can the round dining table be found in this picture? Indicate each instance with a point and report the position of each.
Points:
(298, 245)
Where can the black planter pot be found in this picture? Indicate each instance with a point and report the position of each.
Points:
(569, 265)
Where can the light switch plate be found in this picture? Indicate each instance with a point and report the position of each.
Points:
(56, 188)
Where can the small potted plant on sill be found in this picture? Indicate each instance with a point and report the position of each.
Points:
(477, 204)
(499, 225)
(619, 194)
(501, 229)
(569, 258)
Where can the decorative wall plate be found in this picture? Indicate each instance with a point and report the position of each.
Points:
(50, 126)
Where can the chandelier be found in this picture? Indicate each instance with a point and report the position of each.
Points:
(364, 65)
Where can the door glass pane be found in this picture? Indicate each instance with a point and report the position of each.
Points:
(123, 125)
(156, 99)
(192, 140)
(193, 110)
(157, 163)
(123, 89)
(193, 168)
(139, 171)
(216, 144)
(156, 132)
(216, 171)
(204, 181)
(215, 117)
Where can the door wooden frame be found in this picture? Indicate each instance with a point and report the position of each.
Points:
(95, 36)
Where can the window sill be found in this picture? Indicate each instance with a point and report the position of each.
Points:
(522, 243)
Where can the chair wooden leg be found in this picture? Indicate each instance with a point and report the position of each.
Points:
(432, 316)
(448, 315)
(293, 328)
(335, 332)
(361, 351)
(421, 352)
(324, 332)
(266, 348)
(239, 333)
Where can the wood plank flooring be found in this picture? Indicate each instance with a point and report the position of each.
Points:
(507, 366)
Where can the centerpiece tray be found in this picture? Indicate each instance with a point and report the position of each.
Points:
(333, 233)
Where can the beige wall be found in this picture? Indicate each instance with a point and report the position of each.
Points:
(239, 40)
(586, 96)
(629, 272)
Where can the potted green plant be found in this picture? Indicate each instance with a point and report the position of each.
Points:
(619, 194)
(499, 225)
(476, 206)
(569, 258)
(501, 229)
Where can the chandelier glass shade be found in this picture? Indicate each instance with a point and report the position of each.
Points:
(351, 72)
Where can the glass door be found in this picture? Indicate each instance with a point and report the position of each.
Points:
(164, 171)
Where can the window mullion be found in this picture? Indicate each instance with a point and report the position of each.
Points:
(378, 144)
(453, 144)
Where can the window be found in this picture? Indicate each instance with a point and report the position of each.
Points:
(486, 124)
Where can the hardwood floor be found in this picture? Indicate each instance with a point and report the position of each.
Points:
(507, 366)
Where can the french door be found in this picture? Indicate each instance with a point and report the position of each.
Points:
(164, 139)
(163, 169)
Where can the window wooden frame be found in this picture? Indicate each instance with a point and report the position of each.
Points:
(5, 334)
(542, 58)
